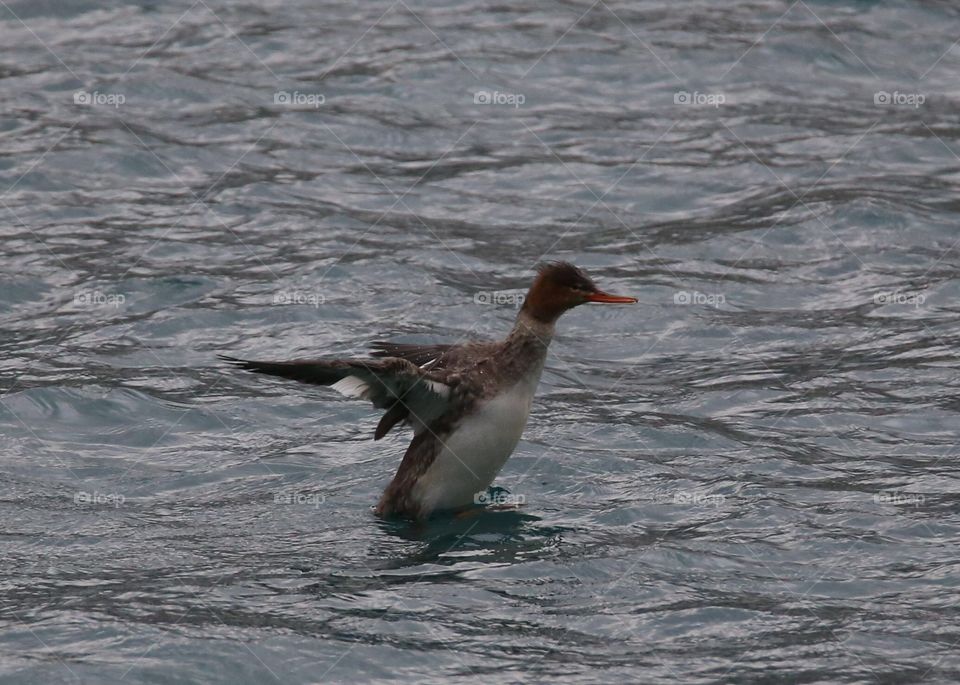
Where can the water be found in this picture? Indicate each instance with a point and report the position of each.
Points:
(747, 477)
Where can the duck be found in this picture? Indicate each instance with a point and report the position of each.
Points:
(467, 404)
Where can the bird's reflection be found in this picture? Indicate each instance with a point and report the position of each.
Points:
(482, 533)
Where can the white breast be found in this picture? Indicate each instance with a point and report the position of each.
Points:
(474, 453)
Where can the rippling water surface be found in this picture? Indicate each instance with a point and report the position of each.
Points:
(747, 477)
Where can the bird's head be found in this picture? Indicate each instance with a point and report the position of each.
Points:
(560, 286)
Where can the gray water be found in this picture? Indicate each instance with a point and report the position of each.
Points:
(747, 477)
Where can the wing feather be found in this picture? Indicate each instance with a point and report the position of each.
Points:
(421, 355)
(407, 392)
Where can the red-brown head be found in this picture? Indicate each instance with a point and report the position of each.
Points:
(560, 286)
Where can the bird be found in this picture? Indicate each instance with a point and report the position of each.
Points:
(467, 403)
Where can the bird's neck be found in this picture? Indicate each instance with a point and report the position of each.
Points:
(525, 350)
(529, 331)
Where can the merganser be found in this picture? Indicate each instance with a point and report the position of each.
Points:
(467, 404)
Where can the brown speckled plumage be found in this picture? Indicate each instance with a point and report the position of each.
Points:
(475, 372)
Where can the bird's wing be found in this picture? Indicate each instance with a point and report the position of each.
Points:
(451, 359)
(420, 355)
(397, 385)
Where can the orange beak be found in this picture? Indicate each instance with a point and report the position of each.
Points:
(607, 298)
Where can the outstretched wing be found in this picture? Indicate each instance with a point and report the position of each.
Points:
(397, 385)
(420, 355)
